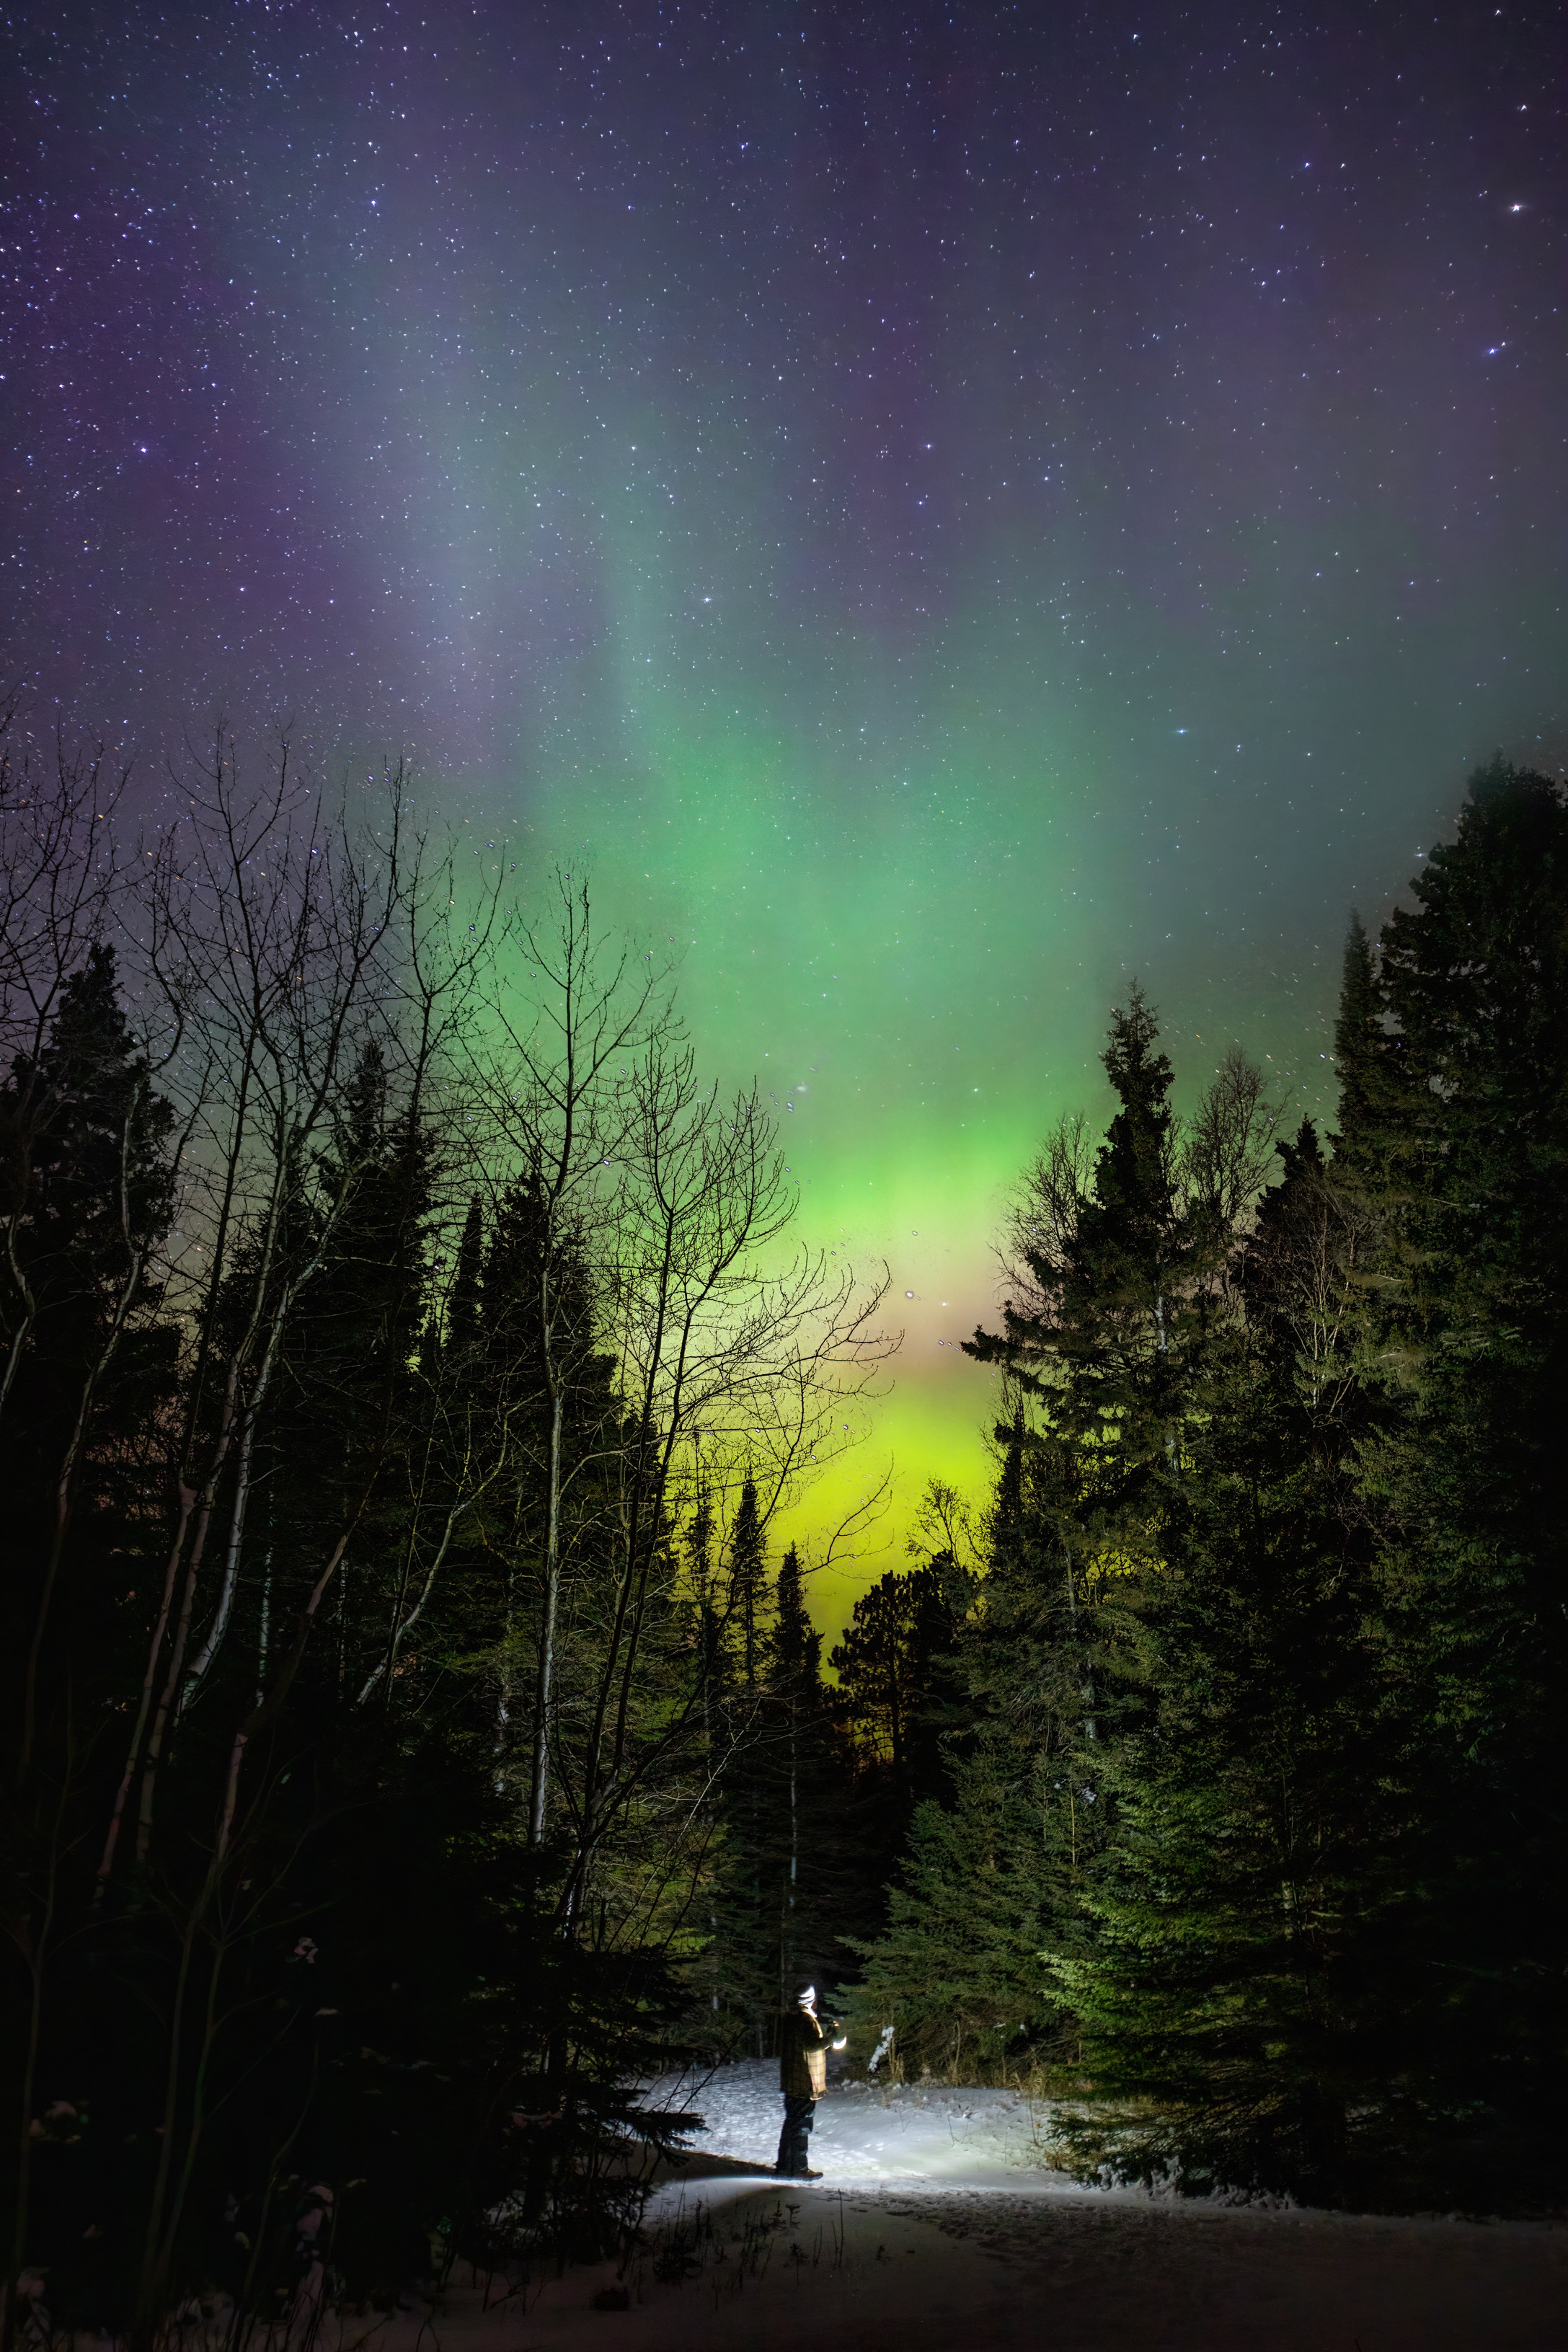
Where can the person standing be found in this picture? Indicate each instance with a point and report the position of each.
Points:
(803, 2047)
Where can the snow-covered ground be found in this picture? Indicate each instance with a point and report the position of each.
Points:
(863, 2134)
(937, 2224)
(936, 2229)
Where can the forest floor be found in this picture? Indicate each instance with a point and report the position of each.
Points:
(937, 2228)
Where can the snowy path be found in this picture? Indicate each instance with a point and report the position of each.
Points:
(955, 2237)
(863, 2135)
(935, 2229)
(1039, 2272)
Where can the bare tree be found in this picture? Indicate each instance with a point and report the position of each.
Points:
(719, 1352)
(1041, 1222)
(728, 1351)
(1307, 1271)
(1226, 1156)
(1220, 1159)
(270, 933)
(944, 1527)
(59, 880)
(556, 1100)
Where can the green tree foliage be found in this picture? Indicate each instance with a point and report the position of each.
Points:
(956, 1971)
(746, 1604)
(1238, 1989)
(1273, 1597)
(999, 1850)
(899, 1706)
(743, 1895)
(1120, 1268)
(1463, 1126)
(893, 1680)
(1099, 1321)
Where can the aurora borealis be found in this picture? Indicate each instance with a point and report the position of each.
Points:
(952, 505)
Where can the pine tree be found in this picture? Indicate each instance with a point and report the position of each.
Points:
(1361, 1049)
(1123, 1295)
(84, 1163)
(747, 1600)
(465, 1309)
(805, 1784)
(1102, 1370)
(747, 1893)
(1463, 1470)
(1102, 1336)
(1236, 1990)
(956, 1971)
(892, 1684)
(997, 1851)
(797, 1693)
(84, 1158)
(789, 1878)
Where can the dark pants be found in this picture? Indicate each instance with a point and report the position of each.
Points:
(800, 2114)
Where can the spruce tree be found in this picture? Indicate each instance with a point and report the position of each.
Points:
(1101, 1335)
(465, 1306)
(1362, 1048)
(1121, 1298)
(747, 1873)
(1235, 1992)
(747, 1599)
(87, 1363)
(893, 1679)
(956, 1971)
(804, 1792)
(1463, 1472)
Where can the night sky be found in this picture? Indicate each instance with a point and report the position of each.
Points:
(954, 506)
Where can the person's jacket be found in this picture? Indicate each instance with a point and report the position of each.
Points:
(802, 2055)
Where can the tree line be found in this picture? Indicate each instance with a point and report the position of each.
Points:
(1253, 1840)
(413, 1748)
(404, 1356)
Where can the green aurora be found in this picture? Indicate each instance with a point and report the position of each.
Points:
(947, 515)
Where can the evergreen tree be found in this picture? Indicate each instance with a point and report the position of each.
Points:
(88, 1363)
(892, 1682)
(1238, 1989)
(1462, 1469)
(84, 1168)
(747, 1596)
(464, 1309)
(746, 1897)
(956, 1971)
(790, 1871)
(797, 1693)
(1265, 1671)
(804, 1790)
(1361, 1055)
(1122, 1298)
(1107, 1318)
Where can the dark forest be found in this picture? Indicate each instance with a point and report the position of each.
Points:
(417, 1742)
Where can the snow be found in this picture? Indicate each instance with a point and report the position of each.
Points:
(846, 2272)
(863, 2133)
(937, 2228)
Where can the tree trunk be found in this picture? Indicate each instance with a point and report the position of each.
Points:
(546, 1636)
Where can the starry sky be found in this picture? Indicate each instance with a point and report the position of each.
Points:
(953, 506)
